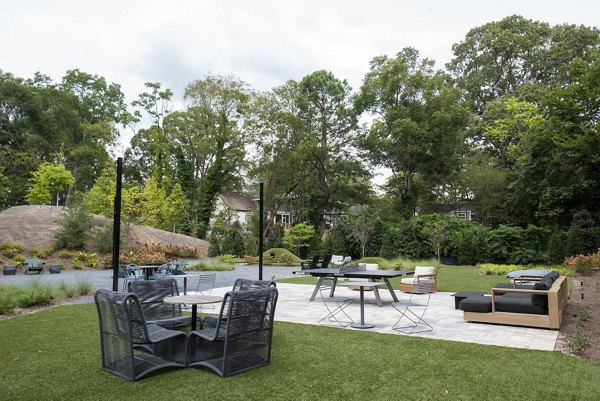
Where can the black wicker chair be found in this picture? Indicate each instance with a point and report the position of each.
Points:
(151, 294)
(242, 337)
(130, 347)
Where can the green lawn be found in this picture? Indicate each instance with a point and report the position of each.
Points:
(55, 355)
(450, 279)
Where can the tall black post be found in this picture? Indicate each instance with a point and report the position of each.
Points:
(117, 226)
(261, 227)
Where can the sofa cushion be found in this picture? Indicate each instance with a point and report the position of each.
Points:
(476, 303)
(553, 275)
(544, 285)
(518, 305)
(517, 286)
(414, 280)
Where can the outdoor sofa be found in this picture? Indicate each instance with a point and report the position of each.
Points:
(538, 305)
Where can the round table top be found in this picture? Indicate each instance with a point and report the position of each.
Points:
(193, 299)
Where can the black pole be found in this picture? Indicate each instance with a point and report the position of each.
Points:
(117, 226)
(261, 227)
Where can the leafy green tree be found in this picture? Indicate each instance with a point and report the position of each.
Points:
(233, 242)
(176, 209)
(418, 126)
(299, 236)
(75, 229)
(49, 177)
(509, 56)
(338, 175)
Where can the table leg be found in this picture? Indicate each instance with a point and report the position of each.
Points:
(362, 324)
(194, 316)
(390, 288)
(184, 285)
(377, 297)
(316, 291)
(333, 284)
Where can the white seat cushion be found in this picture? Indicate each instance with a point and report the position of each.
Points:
(371, 266)
(424, 270)
(413, 280)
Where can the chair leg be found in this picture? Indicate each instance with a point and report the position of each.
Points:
(331, 319)
(414, 319)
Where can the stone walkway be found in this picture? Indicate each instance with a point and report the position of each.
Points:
(293, 306)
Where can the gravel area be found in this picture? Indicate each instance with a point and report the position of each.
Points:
(103, 278)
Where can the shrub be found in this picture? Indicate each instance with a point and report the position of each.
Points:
(276, 255)
(76, 264)
(143, 256)
(18, 260)
(66, 254)
(233, 243)
(504, 269)
(41, 253)
(583, 263)
(210, 265)
(34, 294)
(75, 229)
(91, 259)
(84, 288)
(10, 250)
(227, 258)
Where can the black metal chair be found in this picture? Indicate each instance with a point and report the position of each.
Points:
(413, 311)
(241, 284)
(163, 271)
(326, 261)
(130, 347)
(131, 273)
(151, 294)
(310, 264)
(334, 305)
(242, 338)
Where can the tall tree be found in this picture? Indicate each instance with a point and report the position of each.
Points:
(418, 124)
(339, 176)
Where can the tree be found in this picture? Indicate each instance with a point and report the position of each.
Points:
(210, 134)
(507, 57)
(49, 177)
(339, 178)
(418, 126)
(362, 227)
(298, 236)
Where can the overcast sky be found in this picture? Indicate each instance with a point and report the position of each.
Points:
(265, 43)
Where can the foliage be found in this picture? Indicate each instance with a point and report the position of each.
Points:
(280, 256)
(35, 293)
(210, 265)
(503, 270)
(299, 236)
(75, 229)
(49, 177)
(583, 263)
(233, 243)
(41, 253)
(227, 258)
(142, 255)
(11, 249)
(76, 264)
(18, 260)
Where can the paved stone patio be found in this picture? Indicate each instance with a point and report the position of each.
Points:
(293, 306)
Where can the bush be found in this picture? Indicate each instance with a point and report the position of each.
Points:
(75, 229)
(66, 254)
(76, 264)
(18, 260)
(10, 250)
(210, 265)
(231, 259)
(34, 294)
(41, 253)
(504, 269)
(142, 256)
(583, 263)
(233, 243)
(278, 256)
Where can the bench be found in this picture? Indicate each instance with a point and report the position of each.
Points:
(519, 306)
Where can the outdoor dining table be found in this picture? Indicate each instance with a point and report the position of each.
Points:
(362, 285)
(193, 300)
(367, 275)
(148, 270)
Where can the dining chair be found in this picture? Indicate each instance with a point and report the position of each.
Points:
(131, 273)
(334, 305)
(242, 338)
(130, 347)
(412, 312)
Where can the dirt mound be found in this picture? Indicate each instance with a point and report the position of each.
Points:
(36, 227)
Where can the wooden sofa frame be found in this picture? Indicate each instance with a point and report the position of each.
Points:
(557, 300)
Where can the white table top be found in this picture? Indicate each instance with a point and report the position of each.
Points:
(193, 299)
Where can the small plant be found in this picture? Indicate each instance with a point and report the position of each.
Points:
(34, 294)
(66, 289)
(84, 288)
(583, 313)
(578, 341)
(41, 253)
(18, 260)
(226, 258)
(66, 254)
(76, 264)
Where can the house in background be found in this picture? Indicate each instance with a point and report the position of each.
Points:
(240, 207)
(461, 211)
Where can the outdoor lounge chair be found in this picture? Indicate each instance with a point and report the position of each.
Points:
(130, 347)
(423, 274)
(33, 265)
(540, 306)
(151, 294)
(242, 337)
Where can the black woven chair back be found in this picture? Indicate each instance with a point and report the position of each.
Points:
(151, 294)
(242, 284)
(326, 261)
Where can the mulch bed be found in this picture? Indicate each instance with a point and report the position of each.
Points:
(585, 290)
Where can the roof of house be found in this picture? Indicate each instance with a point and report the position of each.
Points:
(239, 201)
